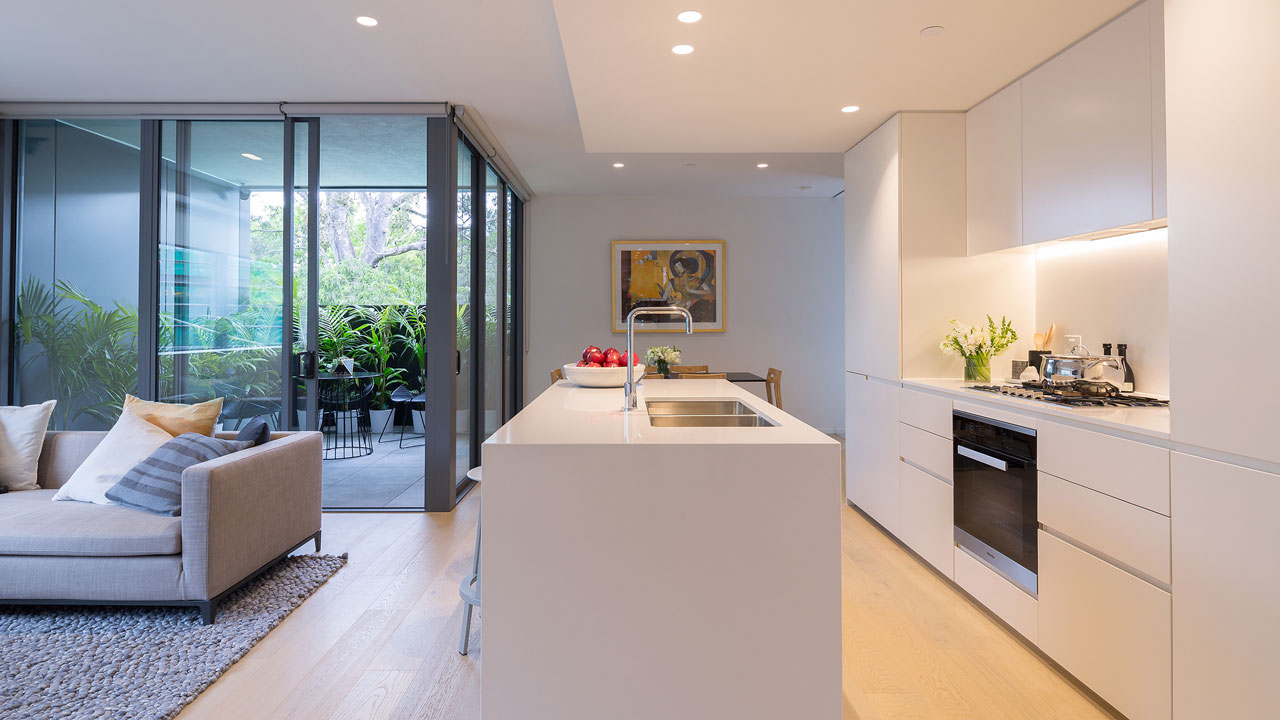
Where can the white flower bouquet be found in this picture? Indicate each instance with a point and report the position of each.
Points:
(977, 345)
(663, 357)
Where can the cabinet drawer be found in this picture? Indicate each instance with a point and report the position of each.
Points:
(928, 522)
(925, 411)
(926, 450)
(1132, 535)
(1008, 601)
(1108, 628)
(1132, 471)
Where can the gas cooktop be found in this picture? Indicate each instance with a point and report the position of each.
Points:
(1071, 398)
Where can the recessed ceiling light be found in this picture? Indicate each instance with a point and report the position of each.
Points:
(691, 164)
(367, 21)
(806, 187)
(251, 156)
(689, 16)
(849, 108)
(762, 165)
(682, 49)
(619, 165)
(932, 31)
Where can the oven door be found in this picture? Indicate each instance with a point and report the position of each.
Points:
(995, 510)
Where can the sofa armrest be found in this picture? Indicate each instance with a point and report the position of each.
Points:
(242, 510)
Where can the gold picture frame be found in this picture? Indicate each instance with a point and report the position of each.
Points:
(685, 273)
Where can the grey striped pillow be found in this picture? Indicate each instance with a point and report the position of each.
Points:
(155, 484)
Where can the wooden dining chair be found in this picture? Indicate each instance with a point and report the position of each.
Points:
(773, 387)
(681, 369)
(651, 376)
(557, 375)
(702, 376)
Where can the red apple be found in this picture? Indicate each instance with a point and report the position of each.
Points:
(612, 350)
(586, 354)
(595, 357)
(581, 363)
(594, 364)
(614, 355)
(622, 360)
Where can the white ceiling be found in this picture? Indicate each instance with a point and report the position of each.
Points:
(764, 84)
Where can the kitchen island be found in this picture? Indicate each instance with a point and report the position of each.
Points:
(636, 572)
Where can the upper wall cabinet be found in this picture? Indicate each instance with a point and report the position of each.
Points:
(993, 172)
(871, 219)
(1087, 139)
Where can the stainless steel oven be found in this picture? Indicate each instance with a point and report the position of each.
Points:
(995, 495)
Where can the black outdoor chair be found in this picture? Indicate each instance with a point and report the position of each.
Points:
(344, 418)
(238, 406)
(402, 397)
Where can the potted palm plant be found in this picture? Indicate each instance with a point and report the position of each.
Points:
(375, 354)
(412, 322)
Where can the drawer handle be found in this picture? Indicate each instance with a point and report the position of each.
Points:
(983, 458)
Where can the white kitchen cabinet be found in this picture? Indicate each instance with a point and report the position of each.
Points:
(925, 411)
(871, 447)
(1087, 138)
(1226, 618)
(927, 524)
(1109, 629)
(871, 195)
(1121, 531)
(993, 172)
(926, 451)
(1221, 65)
(996, 593)
(1159, 166)
(1132, 471)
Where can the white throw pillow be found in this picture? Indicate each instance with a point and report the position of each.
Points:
(21, 438)
(131, 441)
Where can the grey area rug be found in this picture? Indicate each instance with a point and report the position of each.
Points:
(133, 662)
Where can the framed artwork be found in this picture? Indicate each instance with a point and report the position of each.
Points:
(687, 274)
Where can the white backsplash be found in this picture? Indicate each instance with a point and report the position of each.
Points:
(1114, 290)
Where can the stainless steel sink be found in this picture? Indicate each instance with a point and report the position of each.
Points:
(682, 412)
(751, 420)
(697, 407)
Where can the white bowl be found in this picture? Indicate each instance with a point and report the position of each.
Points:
(601, 377)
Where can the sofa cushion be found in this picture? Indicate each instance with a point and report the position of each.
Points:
(177, 418)
(22, 432)
(126, 444)
(31, 525)
(155, 484)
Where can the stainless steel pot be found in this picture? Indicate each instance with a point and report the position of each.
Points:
(1091, 374)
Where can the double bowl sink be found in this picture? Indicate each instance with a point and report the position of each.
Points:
(665, 412)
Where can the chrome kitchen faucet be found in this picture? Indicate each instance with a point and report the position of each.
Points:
(631, 403)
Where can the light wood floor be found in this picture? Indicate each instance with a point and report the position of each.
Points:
(379, 640)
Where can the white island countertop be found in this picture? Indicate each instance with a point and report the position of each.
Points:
(1151, 422)
(633, 572)
(568, 414)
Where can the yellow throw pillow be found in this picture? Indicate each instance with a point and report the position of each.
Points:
(177, 418)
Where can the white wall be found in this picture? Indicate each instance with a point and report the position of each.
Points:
(784, 287)
(1114, 290)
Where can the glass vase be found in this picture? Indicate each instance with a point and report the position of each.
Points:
(977, 369)
(664, 368)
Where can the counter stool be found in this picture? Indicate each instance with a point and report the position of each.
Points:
(470, 588)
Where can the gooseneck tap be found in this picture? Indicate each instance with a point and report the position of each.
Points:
(631, 403)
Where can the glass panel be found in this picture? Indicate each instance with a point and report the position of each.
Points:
(372, 215)
(508, 327)
(301, 277)
(492, 326)
(77, 268)
(221, 255)
(463, 396)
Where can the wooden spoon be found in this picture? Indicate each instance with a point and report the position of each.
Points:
(1038, 341)
(1048, 336)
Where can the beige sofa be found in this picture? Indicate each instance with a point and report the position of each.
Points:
(241, 513)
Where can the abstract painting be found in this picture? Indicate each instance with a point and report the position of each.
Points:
(687, 274)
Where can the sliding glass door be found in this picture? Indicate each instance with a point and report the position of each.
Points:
(192, 259)
(221, 266)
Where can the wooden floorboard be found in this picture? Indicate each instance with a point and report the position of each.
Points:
(380, 639)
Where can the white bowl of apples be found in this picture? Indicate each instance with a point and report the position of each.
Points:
(602, 368)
